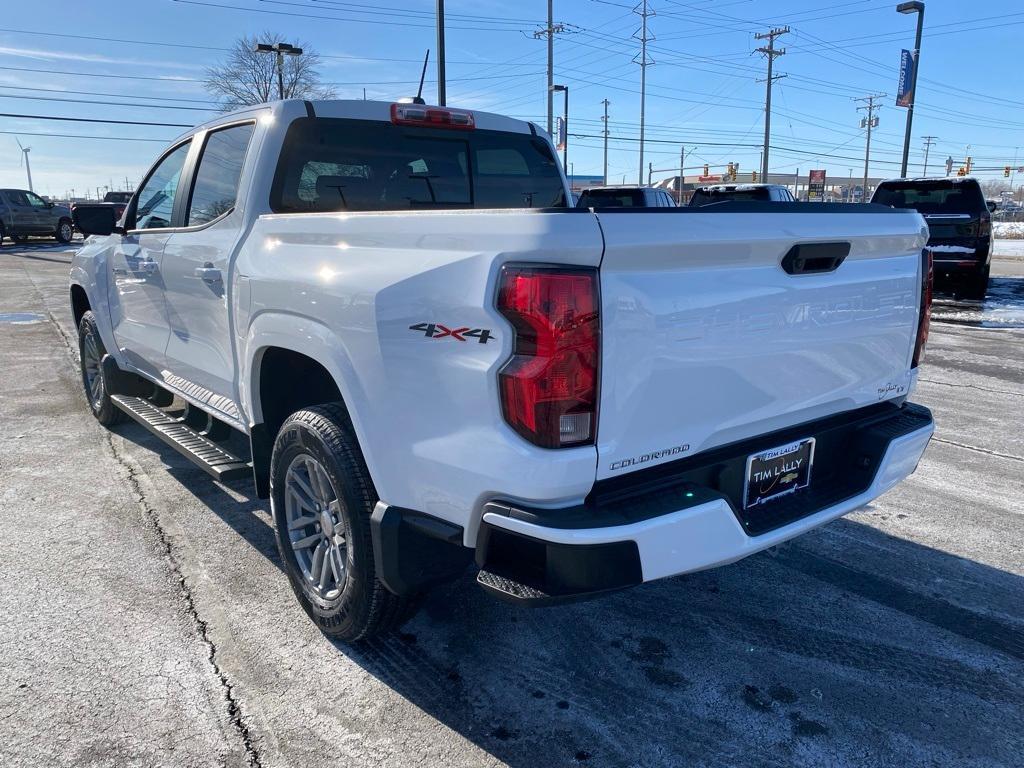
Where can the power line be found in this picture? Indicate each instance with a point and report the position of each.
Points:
(94, 120)
(82, 136)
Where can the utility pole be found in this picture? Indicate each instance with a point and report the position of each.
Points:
(605, 121)
(644, 12)
(441, 96)
(1013, 171)
(650, 172)
(549, 32)
(770, 52)
(928, 141)
(679, 191)
(868, 122)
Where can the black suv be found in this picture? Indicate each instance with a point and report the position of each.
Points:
(959, 223)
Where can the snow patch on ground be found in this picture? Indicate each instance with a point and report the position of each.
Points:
(1008, 229)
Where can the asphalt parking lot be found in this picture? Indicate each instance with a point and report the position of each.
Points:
(144, 619)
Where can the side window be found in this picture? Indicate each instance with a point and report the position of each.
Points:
(35, 200)
(14, 197)
(220, 167)
(156, 197)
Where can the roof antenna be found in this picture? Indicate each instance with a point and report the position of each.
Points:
(423, 74)
(418, 98)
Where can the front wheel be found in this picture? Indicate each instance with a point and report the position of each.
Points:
(90, 352)
(65, 231)
(321, 497)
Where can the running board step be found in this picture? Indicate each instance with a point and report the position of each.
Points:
(205, 453)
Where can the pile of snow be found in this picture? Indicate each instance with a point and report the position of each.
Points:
(1010, 230)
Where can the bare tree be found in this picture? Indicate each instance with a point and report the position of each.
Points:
(992, 187)
(248, 77)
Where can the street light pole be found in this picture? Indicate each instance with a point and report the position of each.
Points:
(280, 50)
(912, 6)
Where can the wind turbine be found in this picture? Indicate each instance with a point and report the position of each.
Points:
(28, 167)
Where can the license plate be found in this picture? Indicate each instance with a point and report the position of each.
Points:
(777, 472)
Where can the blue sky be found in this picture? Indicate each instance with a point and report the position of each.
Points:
(702, 90)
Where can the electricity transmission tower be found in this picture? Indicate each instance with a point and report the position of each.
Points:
(770, 52)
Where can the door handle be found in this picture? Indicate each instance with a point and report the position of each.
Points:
(208, 274)
(148, 267)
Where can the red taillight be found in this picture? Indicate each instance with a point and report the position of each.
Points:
(431, 117)
(925, 311)
(549, 386)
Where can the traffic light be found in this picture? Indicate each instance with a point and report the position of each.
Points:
(732, 170)
(707, 172)
(753, 176)
(1006, 171)
(962, 171)
(969, 163)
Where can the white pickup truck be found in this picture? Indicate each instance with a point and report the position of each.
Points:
(391, 318)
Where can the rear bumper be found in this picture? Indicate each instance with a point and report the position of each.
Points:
(689, 517)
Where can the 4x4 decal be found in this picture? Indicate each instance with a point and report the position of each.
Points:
(438, 331)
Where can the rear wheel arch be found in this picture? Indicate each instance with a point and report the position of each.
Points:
(285, 381)
(79, 303)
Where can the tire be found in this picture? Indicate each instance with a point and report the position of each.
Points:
(977, 287)
(90, 353)
(316, 456)
(65, 231)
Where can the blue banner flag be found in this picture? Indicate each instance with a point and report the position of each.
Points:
(905, 90)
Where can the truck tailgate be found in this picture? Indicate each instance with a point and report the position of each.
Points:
(707, 340)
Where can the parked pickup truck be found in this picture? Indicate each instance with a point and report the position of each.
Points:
(25, 214)
(118, 201)
(390, 317)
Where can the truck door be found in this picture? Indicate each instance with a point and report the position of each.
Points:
(44, 220)
(136, 298)
(21, 218)
(197, 260)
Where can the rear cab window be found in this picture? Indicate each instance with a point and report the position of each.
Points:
(612, 198)
(708, 196)
(337, 164)
(942, 196)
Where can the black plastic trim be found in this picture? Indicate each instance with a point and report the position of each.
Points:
(413, 550)
(310, 112)
(120, 382)
(815, 258)
(545, 571)
(849, 451)
(261, 444)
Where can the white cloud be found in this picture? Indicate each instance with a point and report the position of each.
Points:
(96, 58)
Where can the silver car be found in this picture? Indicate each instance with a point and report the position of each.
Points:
(25, 214)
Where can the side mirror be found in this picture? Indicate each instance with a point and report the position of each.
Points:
(49, 204)
(992, 205)
(95, 220)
